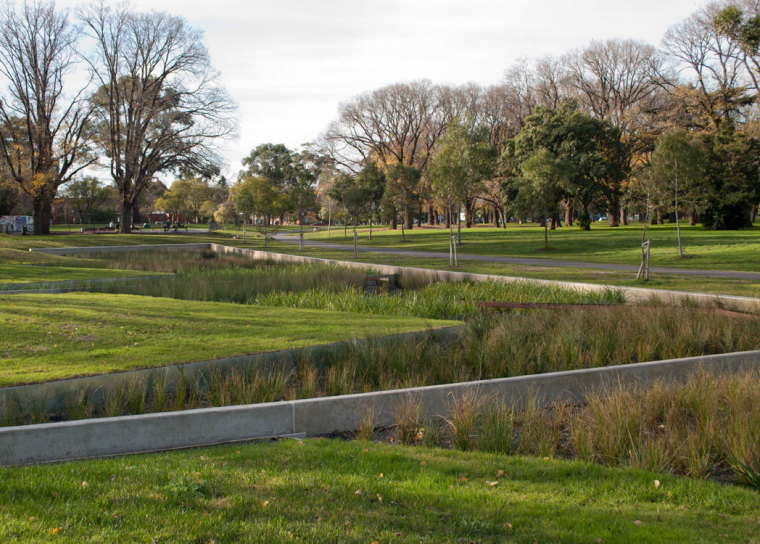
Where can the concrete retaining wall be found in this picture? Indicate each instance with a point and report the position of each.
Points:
(194, 428)
(632, 294)
(55, 394)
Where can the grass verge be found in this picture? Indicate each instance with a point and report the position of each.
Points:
(46, 337)
(334, 491)
(706, 249)
(489, 346)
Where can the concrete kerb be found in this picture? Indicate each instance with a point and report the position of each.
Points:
(312, 417)
(632, 294)
(54, 395)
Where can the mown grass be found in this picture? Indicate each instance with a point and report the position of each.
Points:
(47, 337)
(334, 491)
(706, 427)
(736, 251)
(721, 250)
(25, 276)
(487, 347)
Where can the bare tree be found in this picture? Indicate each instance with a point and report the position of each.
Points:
(520, 85)
(397, 124)
(620, 81)
(614, 76)
(44, 134)
(552, 82)
(714, 62)
(159, 106)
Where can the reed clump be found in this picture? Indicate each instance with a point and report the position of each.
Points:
(708, 426)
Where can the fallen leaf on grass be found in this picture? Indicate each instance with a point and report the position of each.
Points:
(499, 474)
(598, 540)
(358, 492)
(508, 525)
(657, 484)
(56, 530)
(463, 479)
(637, 522)
(491, 484)
(380, 475)
(379, 498)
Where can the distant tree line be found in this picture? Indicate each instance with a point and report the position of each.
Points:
(617, 128)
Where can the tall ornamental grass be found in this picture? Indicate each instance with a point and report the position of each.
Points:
(708, 426)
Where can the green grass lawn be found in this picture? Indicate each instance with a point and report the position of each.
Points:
(12, 273)
(720, 250)
(728, 250)
(46, 337)
(334, 491)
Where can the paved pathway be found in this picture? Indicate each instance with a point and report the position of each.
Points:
(725, 274)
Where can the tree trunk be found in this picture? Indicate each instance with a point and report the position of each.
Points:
(136, 213)
(409, 219)
(693, 217)
(614, 213)
(126, 215)
(42, 210)
(623, 216)
(432, 218)
(495, 211)
(447, 215)
(569, 209)
(468, 213)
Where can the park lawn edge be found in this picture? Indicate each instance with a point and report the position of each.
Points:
(318, 490)
(53, 337)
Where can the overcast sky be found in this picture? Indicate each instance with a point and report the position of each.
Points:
(289, 63)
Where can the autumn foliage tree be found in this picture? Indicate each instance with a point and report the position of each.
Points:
(44, 128)
(158, 106)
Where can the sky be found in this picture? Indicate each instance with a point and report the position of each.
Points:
(289, 64)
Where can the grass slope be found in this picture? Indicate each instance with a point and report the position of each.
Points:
(26, 274)
(47, 337)
(333, 491)
(720, 250)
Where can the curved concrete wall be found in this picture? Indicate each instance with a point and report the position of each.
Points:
(195, 428)
(632, 294)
